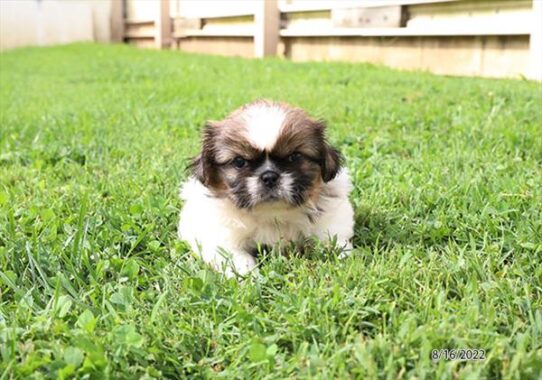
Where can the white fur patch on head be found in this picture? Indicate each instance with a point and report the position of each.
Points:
(263, 122)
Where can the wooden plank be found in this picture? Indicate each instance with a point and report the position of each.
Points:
(377, 17)
(227, 46)
(139, 22)
(497, 30)
(145, 43)
(229, 21)
(183, 25)
(320, 19)
(224, 13)
(216, 32)
(470, 13)
(140, 34)
(210, 9)
(467, 6)
(309, 6)
(227, 27)
(267, 25)
(146, 30)
(139, 9)
(491, 56)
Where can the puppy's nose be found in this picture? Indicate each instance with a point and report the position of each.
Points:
(269, 178)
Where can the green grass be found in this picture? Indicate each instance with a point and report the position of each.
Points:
(448, 193)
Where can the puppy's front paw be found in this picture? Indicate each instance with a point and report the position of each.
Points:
(346, 249)
(242, 263)
(231, 262)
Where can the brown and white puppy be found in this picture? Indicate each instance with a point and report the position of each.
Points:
(266, 174)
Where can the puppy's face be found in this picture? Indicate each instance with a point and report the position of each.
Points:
(266, 152)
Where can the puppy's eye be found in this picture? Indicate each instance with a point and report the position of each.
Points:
(239, 162)
(295, 157)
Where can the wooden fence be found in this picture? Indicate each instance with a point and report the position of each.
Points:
(495, 38)
(51, 22)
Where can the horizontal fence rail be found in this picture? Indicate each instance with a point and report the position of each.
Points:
(461, 37)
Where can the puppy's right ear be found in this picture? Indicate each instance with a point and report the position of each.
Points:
(196, 168)
(202, 165)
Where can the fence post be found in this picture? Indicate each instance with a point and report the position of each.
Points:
(117, 20)
(266, 24)
(162, 26)
(535, 43)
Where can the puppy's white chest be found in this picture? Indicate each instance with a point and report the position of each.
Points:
(271, 226)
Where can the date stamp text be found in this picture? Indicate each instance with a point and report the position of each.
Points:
(461, 354)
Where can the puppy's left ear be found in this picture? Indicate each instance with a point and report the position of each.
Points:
(331, 158)
(331, 162)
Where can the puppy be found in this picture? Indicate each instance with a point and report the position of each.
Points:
(265, 174)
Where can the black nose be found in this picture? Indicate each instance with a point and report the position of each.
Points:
(269, 178)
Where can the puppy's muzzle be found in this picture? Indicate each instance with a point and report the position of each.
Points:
(269, 178)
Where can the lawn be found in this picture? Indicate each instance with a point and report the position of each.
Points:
(94, 142)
